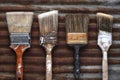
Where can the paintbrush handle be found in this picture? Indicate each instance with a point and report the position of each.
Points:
(105, 66)
(19, 49)
(48, 67)
(104, 42)
(19, 68)
(76, 62)
(49, 48)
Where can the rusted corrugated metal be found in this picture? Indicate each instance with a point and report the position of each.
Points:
(34, 58)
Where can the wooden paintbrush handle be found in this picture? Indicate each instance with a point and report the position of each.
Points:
(49, 48)
(19, 49)
(19, 68)
(48, 67)
(105, 66)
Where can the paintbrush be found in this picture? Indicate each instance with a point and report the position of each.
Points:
(77, 27)
(19, 26)
(48, 23)
(104, 23)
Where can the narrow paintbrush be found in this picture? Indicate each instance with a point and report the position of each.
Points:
(104, 23)
(48, 23)
(77, 27)
(19, 26)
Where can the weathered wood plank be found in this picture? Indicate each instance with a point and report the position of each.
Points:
(60, 69)
(85, 2)
(59, 60)
(34, 58)
(61, 52)
(64, 9)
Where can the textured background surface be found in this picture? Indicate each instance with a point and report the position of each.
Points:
(34, 58)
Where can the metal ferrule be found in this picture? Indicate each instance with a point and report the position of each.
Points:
(20, 38)
(49, 38)
(104, 40)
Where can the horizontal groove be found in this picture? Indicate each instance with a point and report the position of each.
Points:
(50, 2)
(61, 17)
(31, 76)
(58, 60)
(61, 52)
(41, 69)
(58, 69)
(62, 9)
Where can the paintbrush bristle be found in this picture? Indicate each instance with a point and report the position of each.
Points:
(104, 22)
(48, 22)
(19, 22)
(77, 23)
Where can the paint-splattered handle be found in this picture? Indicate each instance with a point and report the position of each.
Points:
(105, 66)
(19, 68)
(49, 48)
(48, 67)
(19, 49)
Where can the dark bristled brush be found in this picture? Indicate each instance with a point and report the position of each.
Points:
(77, 29)
(104, 23)
(48, 23)
(19, 26)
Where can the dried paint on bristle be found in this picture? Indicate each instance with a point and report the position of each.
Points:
(104, 22)
(19, 22)
(77, 28)
(48, 22)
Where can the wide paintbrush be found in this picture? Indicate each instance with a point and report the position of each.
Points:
(77, 28)
(104, 23)
(19, 26)
(48, 23)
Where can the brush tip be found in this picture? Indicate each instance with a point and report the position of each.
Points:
(19, 21)
(104, 22)
(48, 22)
(105, 15)
(19, 13)
(47, 13)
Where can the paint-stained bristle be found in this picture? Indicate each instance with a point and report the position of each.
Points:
(77, 23)
(19, 22)
(48, 22)
(104, 22)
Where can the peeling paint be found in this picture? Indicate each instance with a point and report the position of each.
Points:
(19, 69)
